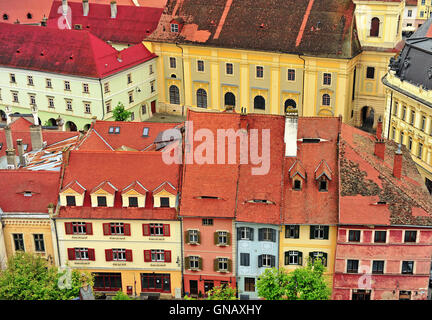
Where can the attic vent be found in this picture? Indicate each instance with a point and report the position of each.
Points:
(261, 25)
(78, 27)
(1, 145)
(5, 17)
(319, 24)
(311, 140)
(42, 53)
(382, 202)
(261, 201)
(27, 193)
(18, 50)
(29, 15)
(208, 197)
(71, 57)
(147, 31)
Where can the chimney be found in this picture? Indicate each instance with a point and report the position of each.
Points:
(380, 148)
(8, 116)
(9, 140)
(64, 7)
(22, 159)
(243, 122)
(397, 164)
(379, 129)
(85, 8)
(11, 159)
(113, 9)
(35, 115)
(290, 136)
(36, 137)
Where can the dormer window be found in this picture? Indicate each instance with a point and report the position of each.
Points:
(133, 202)
(323, 185)
(29, 15)
(297, 185)
(101, 201)
(323, 175)
(164, 196)
(28, 193)
(174, 27)
(164, 202)
(5, 17)
(70, 201)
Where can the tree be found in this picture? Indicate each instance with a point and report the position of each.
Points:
(28, 277)
(221, 293)
(120, 114)
(120, 295)
(306, 283)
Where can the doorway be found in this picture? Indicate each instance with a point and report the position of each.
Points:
(193, 287)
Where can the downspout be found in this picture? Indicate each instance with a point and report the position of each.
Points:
(103, 102)
(183, 80)
(390, 114)
(304, 71)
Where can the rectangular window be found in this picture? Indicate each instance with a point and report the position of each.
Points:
(267, 234)
(407, 267)
(108, 106)
(101, 201)
(15, 96)
(69, 105)
(104, 281)
(174, 27)
(70, 201)
(129, 78)
(222, 238)
(259, 72)
(412, 117)
(132, 116)
(352, 266)
(293, 258)
(319, 232)
(117, 228)
(292, 231)
(393, 133)
(67, 85)
(423, 123)
(87, 107)
(245, 233)
(229, 68)
(291, 74)
(133, 201)
(377, 267)
(50, 102)
(249, 284)
(420, 150)
(401, 141)
(12, 78)
(130, 94)
(156, 229)
(327, 79)
(81, 254)
(106, 87)
(151, 69)
(380, 236)
(30, 80)
(143, 109)
(354, 235)
(152, 86)
(145, 132)
(410, 142)
(404, 109)
(32, 100)
(164, 202)
(223, 264)
(48, 83)
(193, 262)
(157, 255)
(79, 228)
(409, 13)
(245, 259)
(173, 63)
(267, 261)
(395, 110)
(318, 255)
(193, 236)
(410, 236)
(207, 222)
(200, 66)
(85, 88)
(119, 254)
(370, 72)
(18, 239)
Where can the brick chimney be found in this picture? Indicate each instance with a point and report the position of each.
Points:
(9, 140)
(113, 9)
(64, 7)
(85, 8)
(379, 129)
(397, 164)
(290, 135)
(22, 159)
(243, 121)
(380, 148)
(10, 157)
(36, 137)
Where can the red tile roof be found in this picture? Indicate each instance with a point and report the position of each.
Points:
(121, 168)
(137, 186)
(309, 205)
(131, 25)
(75, 186)
(18, 10)
(69, 52)
(367, 180)
(105, 186)
(42, 184)
(130, 136)
(316, 27)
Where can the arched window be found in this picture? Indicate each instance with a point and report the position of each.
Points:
(325, 100)
(174, 95)
(375, 25)
(290, 104)
(259, 103)
(229, 99)
(70, 126)
(201, 98)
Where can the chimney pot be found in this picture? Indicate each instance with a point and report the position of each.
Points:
(85, 8)
(36, 137)
(380, 148)
(113, 9)
(379, 129)
(290, 135)
(9, 140)
(10, 157)
(397, 164)
(20, 148)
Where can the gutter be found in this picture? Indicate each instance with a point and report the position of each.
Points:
(183, 80)
(409, 95)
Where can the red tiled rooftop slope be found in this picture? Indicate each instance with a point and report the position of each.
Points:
(43, 185)
(365, 180)
(120, 168)
(71, 52)
(130, 136)
(314, 27)
(18, 10)
(131, 25)
(309, 205)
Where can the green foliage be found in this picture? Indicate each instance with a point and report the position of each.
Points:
(186, 297)
(28, 277)
(221, 293)
(120, 295)
(306, 283)
(120, 114)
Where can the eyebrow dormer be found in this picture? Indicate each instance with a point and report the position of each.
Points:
(134, 195)
(323, 175)
(164, 196)
(72, 194)
(298, 175)
(103, 195)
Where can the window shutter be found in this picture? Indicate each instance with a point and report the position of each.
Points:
(251, 233)
(186, 237)
(91, 254)
(260, 261)
(167, 255)
(228, 238)
(200, 263)
(71, 253)
(108, 255)
(311, 256)
(325, 259)
(127, 229)
(89, 229)
(68, 228)
(326, 232)
(238, 234)
(106, 229)
(216, 238)
(296, 232)
(272, 261)
(312, 232)
(286, 257)
(166, 230)
(300, 258)
(199, 236)
(273, 232)
(260, 234)
(229, 265)
(146, 229)
(187, 263)
(128, 255)
(147, 255)
(216, 264)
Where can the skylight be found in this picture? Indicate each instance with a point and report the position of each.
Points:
(114, 130)
(146, 132)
